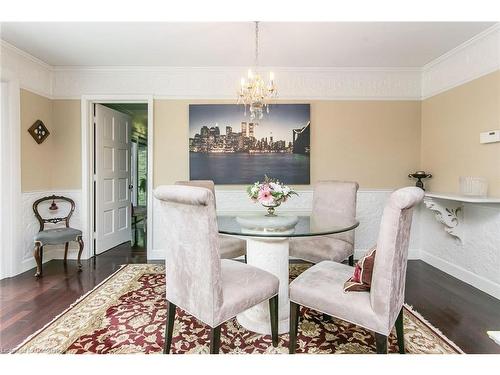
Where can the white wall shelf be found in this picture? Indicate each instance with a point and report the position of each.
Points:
(449, 211)
(462, 198)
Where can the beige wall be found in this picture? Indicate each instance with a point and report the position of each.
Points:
(451, 123)
(374, 142)
(68, 145)
(56, 163)
(36, 159)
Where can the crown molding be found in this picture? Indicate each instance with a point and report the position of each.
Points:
(222, 82)
(470, 60)
(33, 74)
(24, 54)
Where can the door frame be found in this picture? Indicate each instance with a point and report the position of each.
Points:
(11, 235)
(87, 128)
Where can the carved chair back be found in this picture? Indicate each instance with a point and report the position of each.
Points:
(53, 220)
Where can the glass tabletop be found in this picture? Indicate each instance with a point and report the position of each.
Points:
(294, 225)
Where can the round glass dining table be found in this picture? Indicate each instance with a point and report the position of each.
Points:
(267, 239)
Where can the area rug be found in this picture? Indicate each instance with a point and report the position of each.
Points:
(126, 313)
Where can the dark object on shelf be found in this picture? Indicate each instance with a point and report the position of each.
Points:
(61, 235)
(419, 175)
(39, 131)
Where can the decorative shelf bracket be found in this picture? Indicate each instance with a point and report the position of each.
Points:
(450, 216)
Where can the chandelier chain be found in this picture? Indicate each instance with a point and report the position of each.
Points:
(256, 44)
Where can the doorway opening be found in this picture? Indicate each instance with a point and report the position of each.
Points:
(120, 175)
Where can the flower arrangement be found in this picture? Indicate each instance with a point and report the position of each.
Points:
(270, 193)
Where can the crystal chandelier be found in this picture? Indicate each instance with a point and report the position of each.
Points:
(255, 92)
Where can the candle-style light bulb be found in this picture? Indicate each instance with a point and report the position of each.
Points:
(242, 82)
(271, 76)
(250, 74)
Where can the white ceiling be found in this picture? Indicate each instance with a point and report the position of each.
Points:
(288, 44)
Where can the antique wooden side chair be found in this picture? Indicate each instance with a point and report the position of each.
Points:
(55, 236)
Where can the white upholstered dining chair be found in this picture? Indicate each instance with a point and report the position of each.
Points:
(211, 289)
(335, 199)
(321, 286)
(230, 247)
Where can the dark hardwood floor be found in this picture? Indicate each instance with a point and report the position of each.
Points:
(461, 312)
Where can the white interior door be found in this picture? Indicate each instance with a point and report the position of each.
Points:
(112, 177)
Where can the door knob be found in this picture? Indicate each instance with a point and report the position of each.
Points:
(130, 187)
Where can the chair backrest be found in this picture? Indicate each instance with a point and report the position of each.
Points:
(53, 220)
(207, 184)
(336, 199)
(190, 238)
(389, 270)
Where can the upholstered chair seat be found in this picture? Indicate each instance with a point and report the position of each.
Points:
(317, 249)
(330, 199)
(230, 247)
(321, 287)
(57, 236)
(327, 279)
(211, 289)
(243, 286)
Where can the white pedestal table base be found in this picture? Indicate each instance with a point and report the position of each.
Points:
(269, 254)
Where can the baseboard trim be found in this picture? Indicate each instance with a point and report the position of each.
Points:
(48, 255)
(156, 254)
(462, 274)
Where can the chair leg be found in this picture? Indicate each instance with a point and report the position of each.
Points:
(294, 326)
(273, 309)
(246, 258)
(66, 251)
(215, 340)
(381, 342)
(400, 332)
(351, 260)
(169, 327)
(37, 253)
(80, 242)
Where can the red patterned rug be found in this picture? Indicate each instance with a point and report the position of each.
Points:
(127, 312)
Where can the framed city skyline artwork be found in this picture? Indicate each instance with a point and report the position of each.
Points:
(227, 147)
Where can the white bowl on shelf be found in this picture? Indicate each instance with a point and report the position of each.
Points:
(473, 186)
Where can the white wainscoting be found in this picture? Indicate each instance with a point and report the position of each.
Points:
(30, 227)
(477, 260)
(369, 212)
